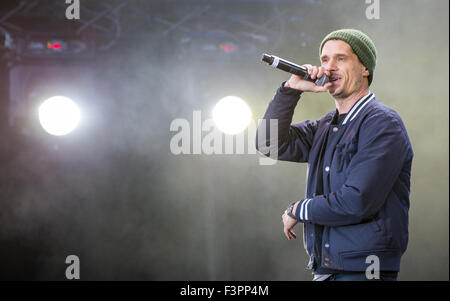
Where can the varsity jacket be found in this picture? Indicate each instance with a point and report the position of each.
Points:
(362, 209)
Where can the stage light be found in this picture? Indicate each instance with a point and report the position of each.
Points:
(59, 115)
(232, 115)
(55, 45)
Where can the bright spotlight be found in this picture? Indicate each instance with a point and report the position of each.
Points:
(232, 115)
(59, 115)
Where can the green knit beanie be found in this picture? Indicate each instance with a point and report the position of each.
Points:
(361, 44)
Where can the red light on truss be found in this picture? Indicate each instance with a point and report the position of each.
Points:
(53, 45)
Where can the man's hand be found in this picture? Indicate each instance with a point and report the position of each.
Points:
(296, 82)
(289, 224)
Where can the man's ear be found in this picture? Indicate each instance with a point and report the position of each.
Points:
(366, 72)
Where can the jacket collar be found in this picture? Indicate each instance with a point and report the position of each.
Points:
(358, 106)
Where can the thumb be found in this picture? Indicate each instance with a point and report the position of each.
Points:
(322, 88)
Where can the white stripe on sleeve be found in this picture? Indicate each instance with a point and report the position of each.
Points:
(301, 209)
(306, 209)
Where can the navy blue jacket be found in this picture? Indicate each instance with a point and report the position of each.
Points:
(363, 207)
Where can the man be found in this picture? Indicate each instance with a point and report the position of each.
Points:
(355, 214)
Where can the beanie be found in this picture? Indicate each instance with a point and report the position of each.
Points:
(361, 45)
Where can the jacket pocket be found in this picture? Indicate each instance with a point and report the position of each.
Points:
(339, 157)
(345, 153)
(389, 259)
(350, 150)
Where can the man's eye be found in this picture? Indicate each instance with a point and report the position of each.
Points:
(341, 59)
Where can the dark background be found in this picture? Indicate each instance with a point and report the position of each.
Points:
(112, 192)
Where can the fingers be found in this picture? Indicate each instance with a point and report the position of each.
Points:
(286, 233)
(322, 71)
(323, 88)
(317, 72)
(290, 234)
(312, 71)
(308, 66)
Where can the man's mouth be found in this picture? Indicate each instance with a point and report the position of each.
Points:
(334, 78)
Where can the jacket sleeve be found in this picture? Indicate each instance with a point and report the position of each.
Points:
(283, 141)
(382, 151)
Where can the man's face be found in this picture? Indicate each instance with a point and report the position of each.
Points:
(347, 72)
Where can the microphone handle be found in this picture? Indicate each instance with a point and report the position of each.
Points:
(292, 68)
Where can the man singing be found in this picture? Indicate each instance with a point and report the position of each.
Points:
(355, 214)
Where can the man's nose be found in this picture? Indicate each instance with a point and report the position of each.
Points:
(331, 66)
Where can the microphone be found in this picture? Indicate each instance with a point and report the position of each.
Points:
(287, 66)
